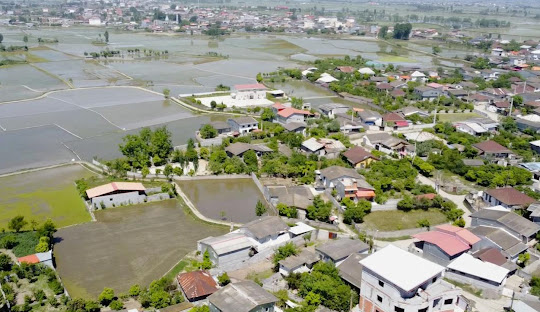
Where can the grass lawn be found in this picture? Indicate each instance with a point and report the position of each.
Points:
(395, 59)
(456, 116)
(44, 194)
(399, 220)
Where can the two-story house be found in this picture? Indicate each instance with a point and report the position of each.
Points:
(396, 280)
(243, 124)
(428, 93)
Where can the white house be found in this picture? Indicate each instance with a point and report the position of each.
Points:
(366, 71)
(94, 21)
(418, 76)
(254, 91)
(469, 270)
(396, 280)
(326, 78)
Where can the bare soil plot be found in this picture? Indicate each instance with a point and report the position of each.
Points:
(235, 197)
(127, 245)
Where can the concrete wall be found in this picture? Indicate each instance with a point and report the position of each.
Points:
(228, 258)
(116, 200)
(157, 197)
(434, 253)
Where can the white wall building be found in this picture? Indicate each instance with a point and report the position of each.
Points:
(396, 280)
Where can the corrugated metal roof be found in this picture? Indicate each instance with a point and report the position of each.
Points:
(114, 186)
(197, 284)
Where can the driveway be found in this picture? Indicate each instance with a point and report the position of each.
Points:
(457, 199)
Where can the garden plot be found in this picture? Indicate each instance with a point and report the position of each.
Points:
(44, 194)
(126, 246)
(33, 148)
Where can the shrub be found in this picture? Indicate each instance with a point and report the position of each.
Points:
(224, 279)
(116, 305)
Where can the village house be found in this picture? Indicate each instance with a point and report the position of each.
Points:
(418, 77)
(492, 150)
(347, 123)
(492, 237)
(370, 118)
(245, 92)
(511, 222)
(507, 197)
(239, 148)
(471, 128)
(296, 127)
(445, 243)
(221, 127)
(359, 158)
(300, 263)
(45, 258)
(495, 256)
(354, 189)
(244, 296)
(394, 120)
(266, 232)
(350, 271)
(484, 275)
(289, 114)
(428, 93)
(227, 249)
(331, 109)
(299, 197)
(329, 148)
(196, 285)
(116, 194)
(243, 125)
(331, 175)
(396, 280)
(336, 251)
(411, 110)
(388, 144)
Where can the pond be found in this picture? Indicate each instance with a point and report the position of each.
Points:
(236, 198)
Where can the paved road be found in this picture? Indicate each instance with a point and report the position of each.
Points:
(458, 199)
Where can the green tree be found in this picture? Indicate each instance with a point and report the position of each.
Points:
(224, 279)
(1, 38)
(166, 93)
(161, 142)
(284, 210)
(424, 223)
(134, 290)
(203, 308)
(145, 171)
(47, 229)
(320, 210)
(43, 244)
(116, 305)
(268, 114)
(259, 78)
(168, 170)
(17, 223)
(523, 259)
(106, 296)
(383, 32)
(284, 252)
(208, 132)
(206, 263)
(356, 212)
(260, 208)
(250, 159)
(136, 150)
(5, 262)
(436, 50)
(106, 35)
(25, 39)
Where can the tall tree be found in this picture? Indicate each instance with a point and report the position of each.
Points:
(17, 223)
(106, 35)
(260, 208)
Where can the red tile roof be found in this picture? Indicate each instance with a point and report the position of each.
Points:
(287, 112)
(491, 255)
(346, 69)
(254, 86)
(32, 259)
(197, 284)
(510, 196)
(394, 117)
(464, 234)
(450, 244)
(114, 186)
(491, 147)
(279, 106)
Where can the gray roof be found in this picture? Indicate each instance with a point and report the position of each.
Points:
(331, 106)
(534, 209)
(473, 162)
(351, 269)
(385, 138)
(220, 125)
(227, 243)
(335, 172)
(266, 226)
(510, 220)
(369, 115)
(508, 243)
(291, 126)
(339, 249)
(239, 148)
(525, 305)
(305, 257)
(292, 196)
(241, 297)
(244, 120)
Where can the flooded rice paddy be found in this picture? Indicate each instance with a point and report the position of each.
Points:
(223, 199)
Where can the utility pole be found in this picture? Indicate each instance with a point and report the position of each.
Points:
(511, 105)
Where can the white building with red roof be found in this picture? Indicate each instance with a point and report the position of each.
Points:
(255, 91)
(444, 244)
(116, 194)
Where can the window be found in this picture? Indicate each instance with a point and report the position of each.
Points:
(448, 301)
(398, 309)
(379, 298)
(422, 310)
(434, 280)
(436, 302)
(381, 283)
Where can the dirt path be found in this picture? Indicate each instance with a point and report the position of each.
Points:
(457, 199)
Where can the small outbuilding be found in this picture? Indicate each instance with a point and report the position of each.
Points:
(197, 285)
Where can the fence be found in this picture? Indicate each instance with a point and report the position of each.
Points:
(391, 234)
(261, 189)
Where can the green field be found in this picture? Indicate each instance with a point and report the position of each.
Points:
(399, 220)
(395, 59)
(456, 117)
(44, 194)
